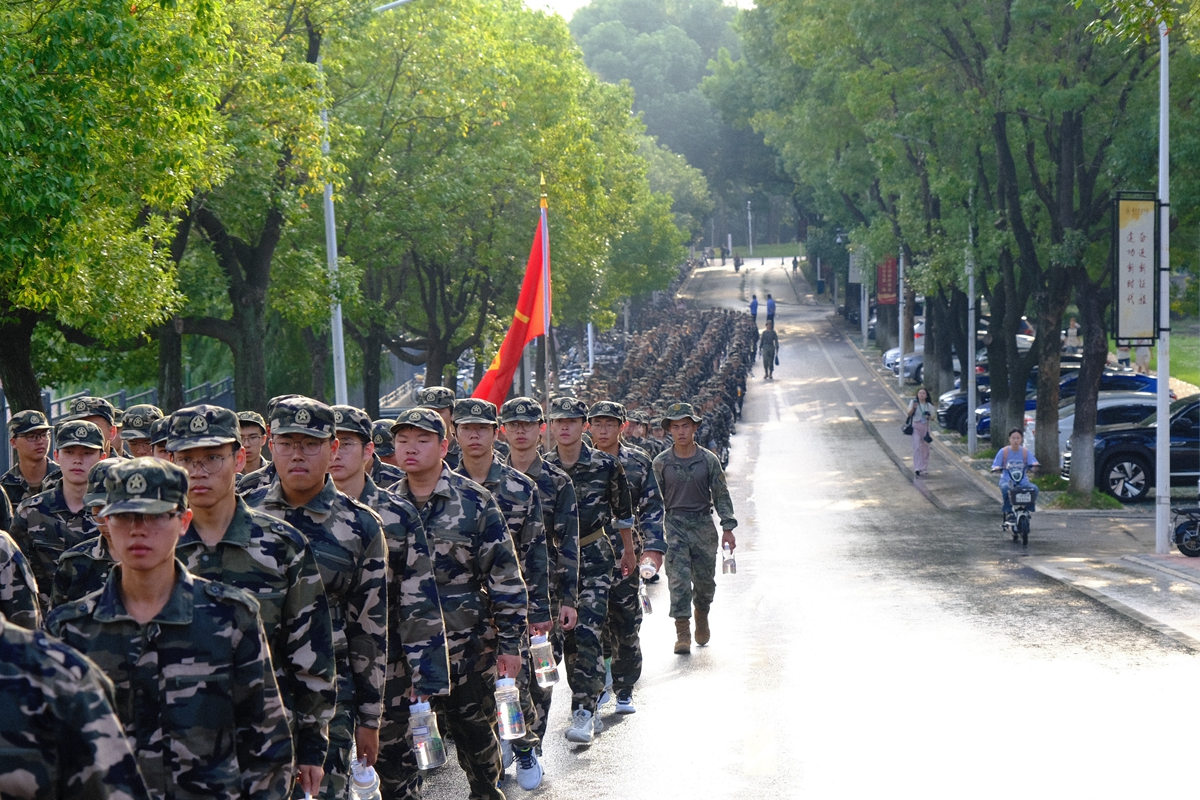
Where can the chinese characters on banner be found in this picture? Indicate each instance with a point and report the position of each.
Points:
(855, 272)
(1136, 284)
(885, 282)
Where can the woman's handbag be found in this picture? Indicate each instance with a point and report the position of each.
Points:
(907, 430)
(928, 438)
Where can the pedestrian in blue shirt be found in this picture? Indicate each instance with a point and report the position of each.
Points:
(770, 308)
(754, 308)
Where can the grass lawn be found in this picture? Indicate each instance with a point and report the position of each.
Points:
(1185, 352)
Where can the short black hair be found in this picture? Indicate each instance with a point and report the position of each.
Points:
(1017, 430)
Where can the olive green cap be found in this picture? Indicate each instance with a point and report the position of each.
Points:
(473, 410)
(160, 430)
(424, 418)
(136, 422)
(145, 486)
(352, 420)
(27, 422)
(521, 409)
(680, 411)
(607, 408)
(203, 426)
(97, 495)
(568, 408)
(302, 415)
(381, 435)
(78, 432)
(91, 407)
(436, 397)
(252, 418)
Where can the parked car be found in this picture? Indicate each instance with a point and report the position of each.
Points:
(1112, 408)
(1125, 453)
(1112, 381)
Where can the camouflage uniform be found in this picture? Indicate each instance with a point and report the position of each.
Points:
(59, 734)
(84, 407)
(437, 397)
(483, 602)
(602, 494)
(252, 481)
(384, 475)
(138, 420)
(18, 589)
(194, 688)
(16, 488)
(81, 570)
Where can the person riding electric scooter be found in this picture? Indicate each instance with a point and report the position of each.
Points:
(1015, 458)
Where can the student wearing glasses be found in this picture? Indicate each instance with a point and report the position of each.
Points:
(29, 435)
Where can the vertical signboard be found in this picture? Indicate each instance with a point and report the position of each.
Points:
(885, 282)
(854, 274)
(1135, 284)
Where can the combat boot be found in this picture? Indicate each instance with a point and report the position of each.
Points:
(702, 632)
(683, 636)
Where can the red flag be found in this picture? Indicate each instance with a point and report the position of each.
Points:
(530, 320)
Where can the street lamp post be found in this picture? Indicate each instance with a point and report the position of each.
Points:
(1162, 486)
(749, 228)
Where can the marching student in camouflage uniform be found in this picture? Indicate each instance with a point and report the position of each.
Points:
(254, 436)
(135, 428)
(637, 434)
(84, 568)
(59, 734)
(692, 483)
(418, 662)
(357, 435)
(47, 524)
(100, 413)
(441, 400)
(264, 476)
(159, 431)
(18, 589)
(188, 656)
(29, 435)
(602, 494)
(479, 584)
(521, 418)
(475, 430)
(385, 448)
(229, 542)
(622, 642)
(347, 540)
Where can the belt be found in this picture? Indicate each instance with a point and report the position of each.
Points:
(584, 541)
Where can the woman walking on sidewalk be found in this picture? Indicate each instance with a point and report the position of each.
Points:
(920, 412)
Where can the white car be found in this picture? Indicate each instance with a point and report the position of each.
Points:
(1112, 408)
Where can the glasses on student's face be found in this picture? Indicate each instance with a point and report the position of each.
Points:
(207, 464)
(127, 522)
(252, 438)
(285, 447)
(347, 441)
(35, 437)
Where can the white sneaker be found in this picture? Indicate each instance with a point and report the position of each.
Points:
(625, 703)
(506, 754)
(582, 729)
(606, 695)
(529, 770)
(597, 722)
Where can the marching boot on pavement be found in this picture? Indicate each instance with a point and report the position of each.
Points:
(683, 636)
(692, 483)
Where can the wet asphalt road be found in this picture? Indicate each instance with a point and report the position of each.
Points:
(871, 643)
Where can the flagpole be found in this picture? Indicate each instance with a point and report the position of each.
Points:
(545, 308)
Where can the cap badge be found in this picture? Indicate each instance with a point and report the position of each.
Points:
(80, 432)
(477, 409)
(198, 424)
(521, 408)
(379, 438)
(337, 416)
(137, 421)
(303, 417)
(136, 484)
(79, 405)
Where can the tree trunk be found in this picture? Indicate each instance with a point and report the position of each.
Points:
(21, 388)
(1092, 302)
(910, 306)
(1050, 310)
(939, 339)
(170, 365)
(435, 364)
(372, 356)
(249, 358)
(885, 327)
(318, 362)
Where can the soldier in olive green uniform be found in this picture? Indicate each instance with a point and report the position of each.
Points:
(602, 494)
(521, 418)
(84, 568)
(29, 435)
(49, 523)
(692, 483)
(441, 400)
(59, 734)
(229, 542)
(136, 423)
(189, 659)
(479, 584)
(347, 540)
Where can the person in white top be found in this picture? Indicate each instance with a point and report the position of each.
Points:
(920, 413)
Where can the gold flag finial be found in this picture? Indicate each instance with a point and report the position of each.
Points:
(543, 176)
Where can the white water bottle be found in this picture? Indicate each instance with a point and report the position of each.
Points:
(647, 568)
(428, 746)
(644, 596)
(545, 667)
(509, 718)
(728, 564)
(364, 783)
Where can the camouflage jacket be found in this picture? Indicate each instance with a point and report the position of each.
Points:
(82, 569)
(561, 520)
(194, 688)
(256, 480)
(44, 529)
(647, 499)
(272, 561)
(650, 446)
(521, 504)
(417, 651)
(384, 474)
(59, 734)
(601, 490)
(667, 467)
(18, 589)
(478, 576)
(453, 455)
(347, 539)
(19, 490)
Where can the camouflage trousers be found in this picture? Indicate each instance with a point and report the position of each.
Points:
(529, 709)
(397, 764)
(584, 653)
(622, 629)
(541, 696)
(692, 544)
(336, 783)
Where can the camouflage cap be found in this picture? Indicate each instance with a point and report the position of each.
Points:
(97, 495)
(276, 400)
(118, 416)
(352, 420)
(473, 410)
(680, 411)
(381, 435)
(203, 426)
(160, 430)
(302, 415)
(568, 408)
(27, 422)
(137, 421)
(78, 432)
(424, 418)
(82, 407)
(145, 486)
(639, 416)
(252, 418)
(436, 397)
(608, 408)
(521, 409)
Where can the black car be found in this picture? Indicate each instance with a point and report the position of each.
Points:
(1125, 453)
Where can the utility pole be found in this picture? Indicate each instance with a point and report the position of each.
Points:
(749, 228)
(900, 313)
(969, 366)
(1162, 453)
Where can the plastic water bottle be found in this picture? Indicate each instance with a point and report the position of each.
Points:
(428, 746)
(647, 568)
(545, 668)
(509, 718)
(644, 596)
(364, 783)
(728, 564)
